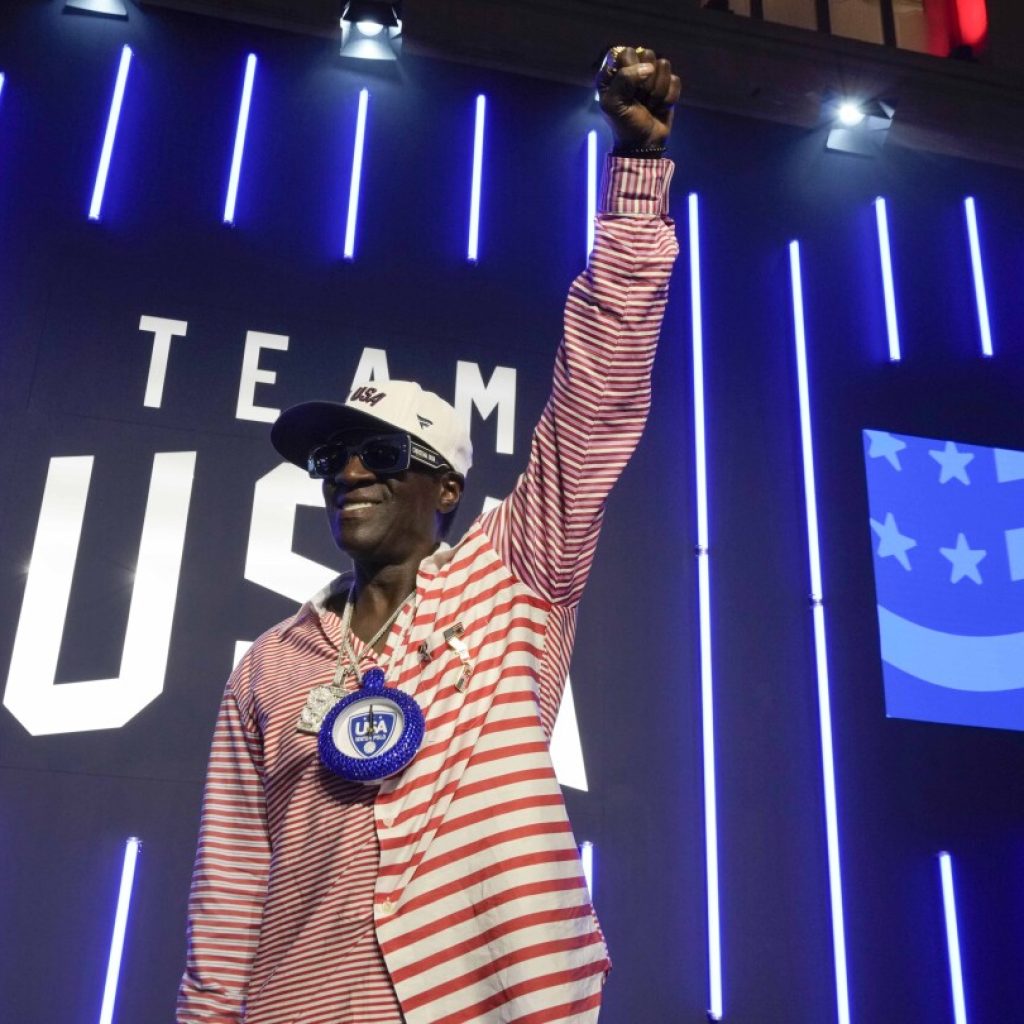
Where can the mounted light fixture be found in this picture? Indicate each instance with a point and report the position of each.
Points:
(105, 8)
(850, 114)
(371, 30)
(859, 126)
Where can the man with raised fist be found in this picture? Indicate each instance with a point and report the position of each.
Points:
(383, 836)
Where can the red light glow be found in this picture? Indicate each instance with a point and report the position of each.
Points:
(973, 19)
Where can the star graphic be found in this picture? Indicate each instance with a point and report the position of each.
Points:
(953, 463)
(965, 561)
(885, 446)
(891, 541)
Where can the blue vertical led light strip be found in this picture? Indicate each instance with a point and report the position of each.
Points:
(124, 898)
(715, 1008)
(956, 977)
(473, 253)
(591, 189)
(240, 129)
(980, 293)
(357, 175)
(2, 80)
(885, 255)
(835, 881)
(587, 858)
(114, 115)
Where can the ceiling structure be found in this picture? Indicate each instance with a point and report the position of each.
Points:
(728, 63)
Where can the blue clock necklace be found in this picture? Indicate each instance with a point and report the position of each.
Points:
(373, 732)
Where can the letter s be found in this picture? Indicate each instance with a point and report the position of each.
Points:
(269, 560)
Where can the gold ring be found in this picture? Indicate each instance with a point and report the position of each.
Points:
(616, 51)
(610, 64)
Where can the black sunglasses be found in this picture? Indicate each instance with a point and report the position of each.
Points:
(382, 453)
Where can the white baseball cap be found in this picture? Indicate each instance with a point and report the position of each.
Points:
(386, 405)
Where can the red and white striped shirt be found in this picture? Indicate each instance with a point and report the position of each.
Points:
(452, 893)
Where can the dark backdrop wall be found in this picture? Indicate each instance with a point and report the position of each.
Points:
(74, 369)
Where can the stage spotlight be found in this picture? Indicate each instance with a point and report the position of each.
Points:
(371, 30)
(860, 127)
(106, 8)
(850, 114)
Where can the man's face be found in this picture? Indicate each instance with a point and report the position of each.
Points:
(384, 519)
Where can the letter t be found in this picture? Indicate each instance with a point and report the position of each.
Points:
(163, 330)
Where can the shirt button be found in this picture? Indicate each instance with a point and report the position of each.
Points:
(387, 907)
(387, 822)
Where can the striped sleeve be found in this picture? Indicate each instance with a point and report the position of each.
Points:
(547, 529)
(229, 882)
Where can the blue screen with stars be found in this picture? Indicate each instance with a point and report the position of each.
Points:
(947, 532)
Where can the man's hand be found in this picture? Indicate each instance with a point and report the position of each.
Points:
(637, 91)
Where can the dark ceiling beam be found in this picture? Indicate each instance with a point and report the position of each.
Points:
(735, 65)
(306, 17)
(728, 63)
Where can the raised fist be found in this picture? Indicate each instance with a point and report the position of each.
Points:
(637, 91)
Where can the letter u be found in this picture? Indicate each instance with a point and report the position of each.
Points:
(32, 694)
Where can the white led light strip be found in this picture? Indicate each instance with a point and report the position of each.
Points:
(885, 255)
(980, 292)
(240, 130)
(956, 978)
(704, 605)
(124, 897)
(357, 176)
(114, 115)
(591, 189)
(473, 251)
(820, 649)
(587, 858)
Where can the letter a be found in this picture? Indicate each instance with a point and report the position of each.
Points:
(33, 696)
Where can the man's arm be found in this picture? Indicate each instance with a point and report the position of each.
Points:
(230, 877)
(547, 529)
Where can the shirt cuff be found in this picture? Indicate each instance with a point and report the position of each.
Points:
(636, 186)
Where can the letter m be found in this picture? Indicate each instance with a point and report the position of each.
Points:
(499, 393)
